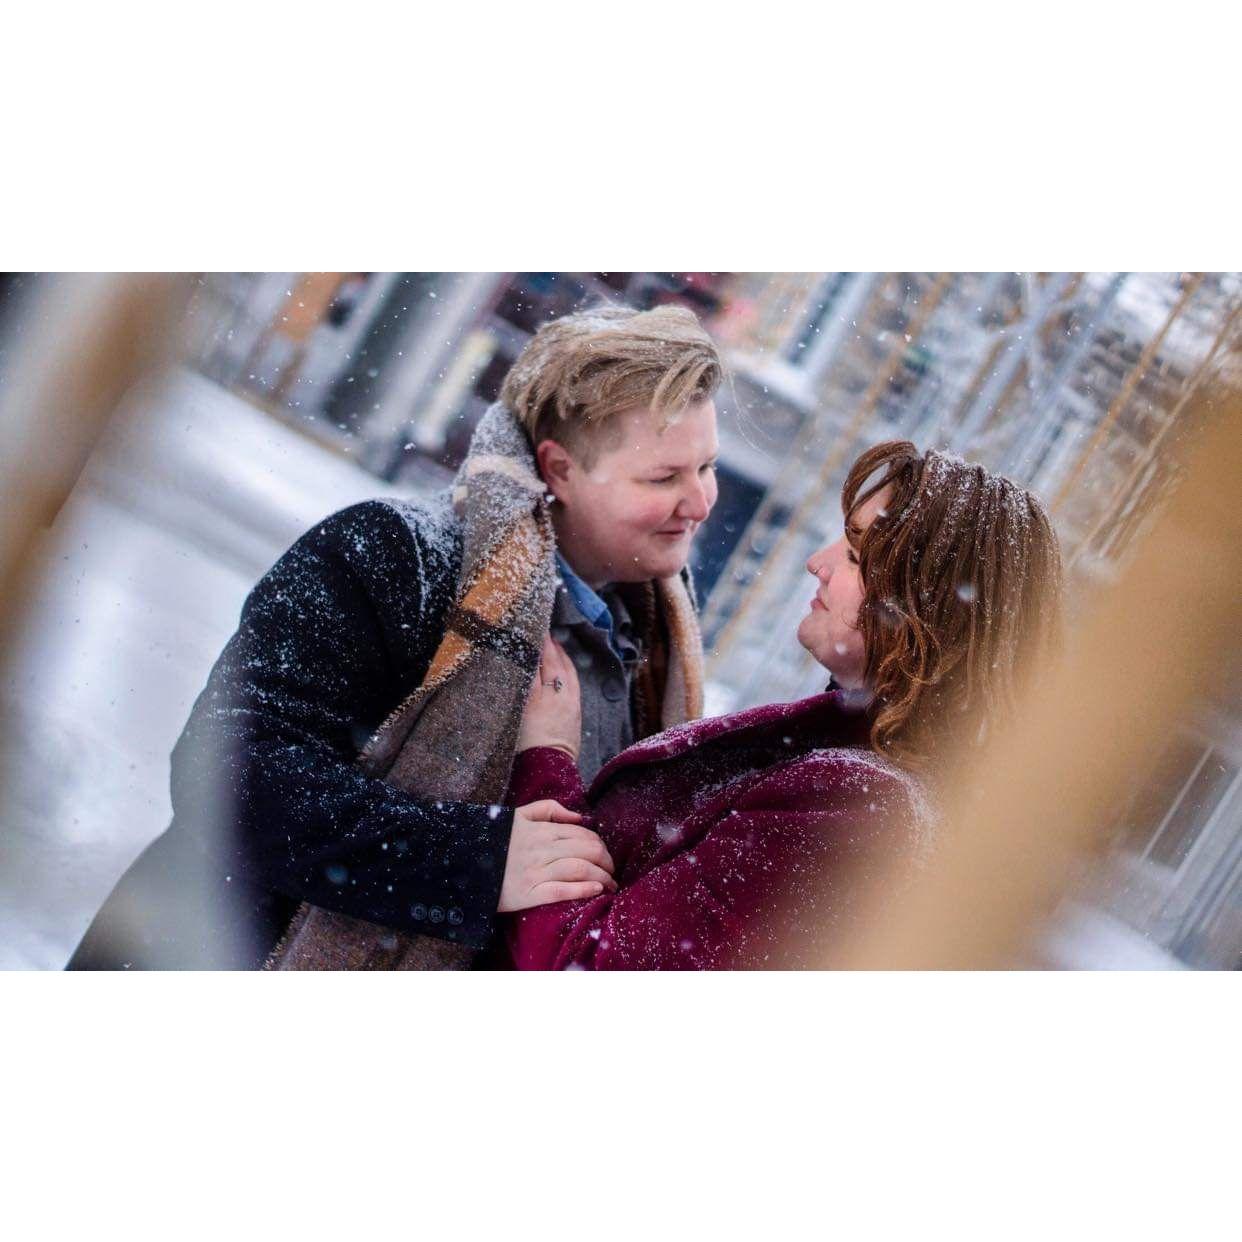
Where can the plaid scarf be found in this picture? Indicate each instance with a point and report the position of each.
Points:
(453, 737)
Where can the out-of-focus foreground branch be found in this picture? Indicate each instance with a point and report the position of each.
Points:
(85, 341)
(1021, 817)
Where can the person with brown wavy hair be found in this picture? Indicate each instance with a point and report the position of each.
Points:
(746, 840)
(952, 596)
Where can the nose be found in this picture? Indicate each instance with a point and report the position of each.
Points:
(818, 565)
(694, 506)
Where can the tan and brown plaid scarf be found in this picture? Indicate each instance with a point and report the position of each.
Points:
(453, 737)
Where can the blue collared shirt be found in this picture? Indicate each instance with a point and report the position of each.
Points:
(597, 632)
(588, 602)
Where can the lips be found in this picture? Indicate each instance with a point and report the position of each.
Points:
(816, 602)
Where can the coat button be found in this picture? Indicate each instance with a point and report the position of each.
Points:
(455, 916)
(614, 689)
(418, 911)
(435, 914)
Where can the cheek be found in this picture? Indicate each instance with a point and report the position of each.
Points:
(614, 504)
(645, 509)
(856, 603)
(847, 598)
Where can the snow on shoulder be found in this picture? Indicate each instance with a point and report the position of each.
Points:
(878, 785)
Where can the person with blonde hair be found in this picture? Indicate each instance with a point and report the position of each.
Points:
(337, 790)
(746, 840)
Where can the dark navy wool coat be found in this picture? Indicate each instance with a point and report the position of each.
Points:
(269, 808)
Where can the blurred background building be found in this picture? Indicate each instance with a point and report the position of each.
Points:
(1075, 384)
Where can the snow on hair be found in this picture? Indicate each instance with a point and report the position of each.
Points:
(962, 596)
(580, 370)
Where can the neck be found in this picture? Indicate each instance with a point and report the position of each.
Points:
(593, 575)
(852, 680)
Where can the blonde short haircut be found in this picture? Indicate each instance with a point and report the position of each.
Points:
(579, 371)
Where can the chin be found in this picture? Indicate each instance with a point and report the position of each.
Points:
(669, 569)
(667, 565)
(806, 639)
(806, 635)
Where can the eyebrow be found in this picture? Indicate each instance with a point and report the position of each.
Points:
(679, 466)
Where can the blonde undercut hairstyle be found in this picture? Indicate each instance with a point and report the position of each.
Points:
(579, 371)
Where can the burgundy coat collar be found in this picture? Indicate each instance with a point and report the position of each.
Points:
(835, 717)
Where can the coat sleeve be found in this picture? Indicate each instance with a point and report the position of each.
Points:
(765, 880)
(265, 768)
(546, 772)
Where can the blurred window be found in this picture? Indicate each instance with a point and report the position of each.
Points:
(1176, 802)
(799, 349)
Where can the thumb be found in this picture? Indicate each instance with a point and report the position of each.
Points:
(550, 809)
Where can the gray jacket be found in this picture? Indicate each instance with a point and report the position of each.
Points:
(604, 676)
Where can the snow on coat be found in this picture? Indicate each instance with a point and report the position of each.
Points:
(740, 841)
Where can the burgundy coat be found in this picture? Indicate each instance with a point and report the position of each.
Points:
(739, 841)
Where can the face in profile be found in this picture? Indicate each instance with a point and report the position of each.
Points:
(632, 514)
(830, 631)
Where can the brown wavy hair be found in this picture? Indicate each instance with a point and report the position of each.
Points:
(962, 596)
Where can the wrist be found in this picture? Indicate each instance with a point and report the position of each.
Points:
(563, 747)
(548, 770)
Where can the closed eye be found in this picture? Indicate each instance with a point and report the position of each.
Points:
(668, 478)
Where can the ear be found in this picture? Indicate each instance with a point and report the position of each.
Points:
(556, 467)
